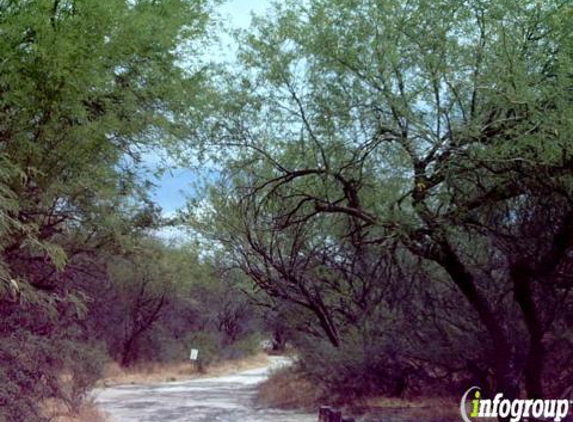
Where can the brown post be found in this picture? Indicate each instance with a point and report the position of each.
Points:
(324, 414)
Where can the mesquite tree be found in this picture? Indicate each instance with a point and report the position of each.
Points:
(439, 133)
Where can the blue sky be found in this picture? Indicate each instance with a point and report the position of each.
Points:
(239, 11)
(174, 185)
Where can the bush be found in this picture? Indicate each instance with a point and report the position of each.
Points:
(289, 388)
(245, 346)
(83, 367)
(38, 368)
(354, 370)
(28, 375)
(209, 345)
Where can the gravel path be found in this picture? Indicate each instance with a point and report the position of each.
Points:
(223, 399)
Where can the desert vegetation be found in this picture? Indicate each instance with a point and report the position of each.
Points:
(384, 186)
(400, 190)
(87, 89)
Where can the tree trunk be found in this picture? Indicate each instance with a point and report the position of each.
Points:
(327, 326)
(278, 344)
(536, 354)
(505, 375)
(127, 351)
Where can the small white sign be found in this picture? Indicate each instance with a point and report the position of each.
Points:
(194, 354)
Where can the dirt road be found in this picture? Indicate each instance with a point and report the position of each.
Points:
(223, 399)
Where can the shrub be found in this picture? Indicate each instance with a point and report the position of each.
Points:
(28, 375)
(209, 345)
(355, 369)
(245, 346)
(83, 367)
(289, 388)
(39, 368)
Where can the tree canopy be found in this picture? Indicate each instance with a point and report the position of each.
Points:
(417, 148)
(387, 185)
(86, 90)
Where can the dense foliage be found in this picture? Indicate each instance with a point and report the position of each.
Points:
(86, 90)
(400, 174)
(390, 190)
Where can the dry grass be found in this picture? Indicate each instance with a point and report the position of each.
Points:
(150, 373)
(288, 389)
(58, 412)
(232, 366)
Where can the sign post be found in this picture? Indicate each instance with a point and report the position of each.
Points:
(194, 355)
(194, 358)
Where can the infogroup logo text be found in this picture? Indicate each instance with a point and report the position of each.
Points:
(516, 410)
